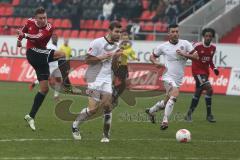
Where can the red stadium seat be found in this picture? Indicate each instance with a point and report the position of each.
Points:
(146, 15)
(2, 21)
(66, 23)
(158, 26)
(15, 2)
(10, 21)
(150, 37)
(1, 30)
(89, 24)
(97, 24)
(91, 34)
(24, 21)
(50, 20)
(58, 32)
(9, 11)
(105, 24)
(99, 34)
(57, 23)
(66, 33)
(13, 31)
(2, 10)
(17, 22)
(74, 34)
(82, 24)
(83, 34)
(147, 26)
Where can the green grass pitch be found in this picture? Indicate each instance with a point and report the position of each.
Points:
(132, 136)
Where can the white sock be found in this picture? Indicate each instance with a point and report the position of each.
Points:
(169, 108)
(159, 105)
(36, 82)
(57, 88)
(83, 116)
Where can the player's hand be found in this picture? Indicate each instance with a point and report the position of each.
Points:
(119, 52)
(158, 65)
(20, 34)
(19, 43)
(216, 71)
(179, 52)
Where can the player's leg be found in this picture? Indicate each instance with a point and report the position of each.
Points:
(198, 91)
(208, 100)
(107, 117)
(89, 111)
(40, 64)
(173, 93)
(106, 104)
(160, 105)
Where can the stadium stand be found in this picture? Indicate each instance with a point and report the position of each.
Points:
(232, 37)
(82, 18)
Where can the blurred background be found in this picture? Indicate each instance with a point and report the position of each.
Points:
(145, 19)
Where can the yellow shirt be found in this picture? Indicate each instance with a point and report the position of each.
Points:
(67, 50)
(127, 52)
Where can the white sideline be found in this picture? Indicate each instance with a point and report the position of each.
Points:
(130, 139)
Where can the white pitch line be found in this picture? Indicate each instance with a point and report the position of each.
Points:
(109, 158)
(130, 139)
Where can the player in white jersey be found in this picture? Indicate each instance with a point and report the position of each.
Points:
(176, 52)
(99, 79)
(55, 73)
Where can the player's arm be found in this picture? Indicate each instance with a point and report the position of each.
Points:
(193, 55)
(24, 29)
(213, 67)
(155, 56)
(133, 56)
(154, 60)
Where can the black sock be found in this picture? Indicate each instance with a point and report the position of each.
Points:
(36, 104)
(208, 100)
(194, 104)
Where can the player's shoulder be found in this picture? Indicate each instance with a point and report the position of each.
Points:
(198, 44)
(98, 41)
(31, 21)
(183, 41)
(49, 26)
(213, 45)
(163, 44)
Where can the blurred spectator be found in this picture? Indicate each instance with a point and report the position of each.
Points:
(185, 4)
(160, 12)
(107, 10)
(171, 12)
(135, 9)
(153, 5)
(119, 10)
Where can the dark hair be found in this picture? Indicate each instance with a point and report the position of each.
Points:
(115, 24)
(40, 10)
(172, 26)
(205, 30)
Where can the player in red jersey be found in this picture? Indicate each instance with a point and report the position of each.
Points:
(200, 71)
(38, 32)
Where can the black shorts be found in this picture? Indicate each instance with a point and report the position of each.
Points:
(122, 72)
(201, 80)
(39, 59)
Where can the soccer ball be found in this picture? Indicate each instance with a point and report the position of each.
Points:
(183, 135)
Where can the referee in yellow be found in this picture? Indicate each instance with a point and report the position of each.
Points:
(65, 65)
(121, 71)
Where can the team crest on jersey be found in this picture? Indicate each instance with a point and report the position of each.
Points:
(202, 51)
